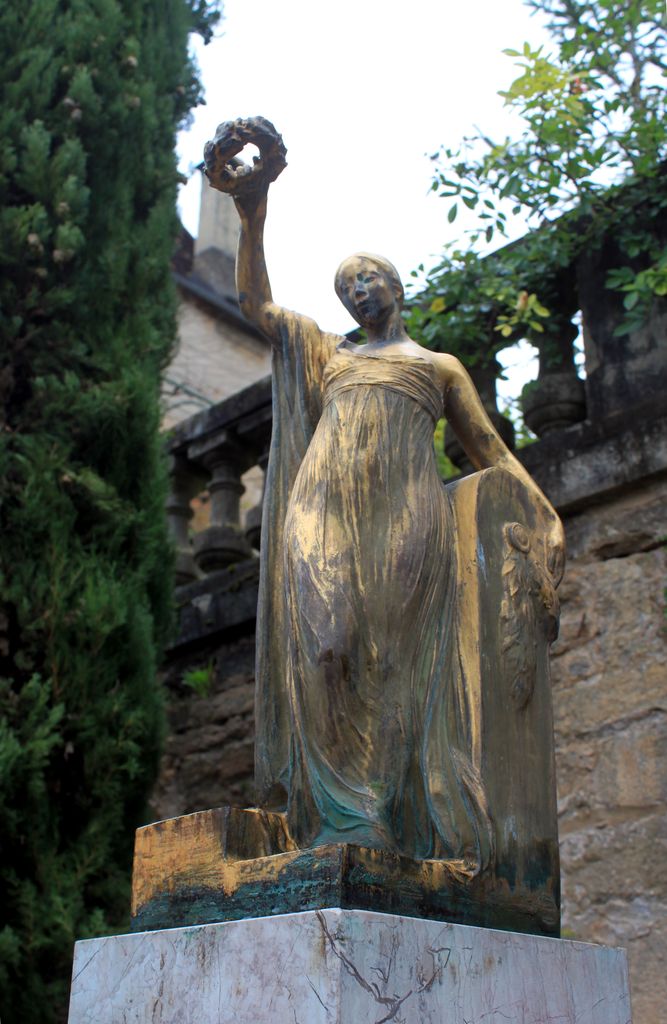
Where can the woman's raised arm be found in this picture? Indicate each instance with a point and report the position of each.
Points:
(252, 279)
(249, 185)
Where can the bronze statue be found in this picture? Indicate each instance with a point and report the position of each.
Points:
(368, 709)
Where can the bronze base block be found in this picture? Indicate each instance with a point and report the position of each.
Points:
(227, 864)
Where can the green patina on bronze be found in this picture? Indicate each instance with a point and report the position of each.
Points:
(355, 878)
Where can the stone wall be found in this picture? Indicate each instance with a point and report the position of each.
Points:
(218, 352)
(609, 673)
(214, 358)
(209, 754)
(208, 760)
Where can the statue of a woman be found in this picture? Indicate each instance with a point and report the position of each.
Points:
(362, 708)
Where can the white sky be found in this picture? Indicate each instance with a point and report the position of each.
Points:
(361, 91)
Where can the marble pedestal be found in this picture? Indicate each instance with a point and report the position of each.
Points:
(345, 967)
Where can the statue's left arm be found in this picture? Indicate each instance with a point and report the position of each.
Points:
(485, 448)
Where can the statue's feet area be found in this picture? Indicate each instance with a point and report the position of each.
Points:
(226, 864)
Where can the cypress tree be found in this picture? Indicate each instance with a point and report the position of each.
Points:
(92, 93)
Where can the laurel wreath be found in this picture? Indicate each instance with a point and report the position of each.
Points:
(229, 174)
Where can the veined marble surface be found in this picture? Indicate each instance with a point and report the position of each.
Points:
(345, 967)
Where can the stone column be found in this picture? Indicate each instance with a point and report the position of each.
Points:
(185, 482)
(557, 399)
(253, 525)
(223, 542)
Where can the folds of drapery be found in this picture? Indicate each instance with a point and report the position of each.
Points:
(301, 352)
(452, 820)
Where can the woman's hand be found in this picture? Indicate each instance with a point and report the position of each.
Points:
(248, 184)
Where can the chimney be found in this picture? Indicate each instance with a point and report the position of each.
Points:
(217, 239)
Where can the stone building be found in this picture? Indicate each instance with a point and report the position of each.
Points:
(602, 460)
(218, 352)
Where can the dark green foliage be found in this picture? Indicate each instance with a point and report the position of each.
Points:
(589, 166)
(92, 93)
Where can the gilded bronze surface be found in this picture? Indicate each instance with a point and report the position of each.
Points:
(403, 627)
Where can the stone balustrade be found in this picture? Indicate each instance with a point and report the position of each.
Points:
(557, 398)
(209, 454)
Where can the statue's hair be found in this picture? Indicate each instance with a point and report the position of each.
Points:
(387, 268)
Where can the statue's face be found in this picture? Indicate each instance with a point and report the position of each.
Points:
(366, 291)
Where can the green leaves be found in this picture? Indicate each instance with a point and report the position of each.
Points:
(524, 315)
(463, 300)
(639, 290)
(594, 114)
(200, 679)
(586, 110)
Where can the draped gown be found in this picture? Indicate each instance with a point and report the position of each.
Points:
(372, 690)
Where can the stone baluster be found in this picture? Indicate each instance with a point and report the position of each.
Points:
(223, 542)
(253, 524)
(185, 482)
(484, 379)
(557, 399)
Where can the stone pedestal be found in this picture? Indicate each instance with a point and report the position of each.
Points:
(345, 967)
